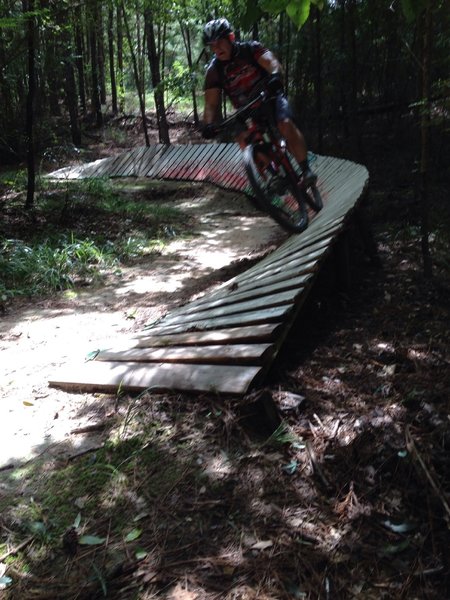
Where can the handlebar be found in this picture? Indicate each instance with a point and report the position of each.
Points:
(254, 103)
(259, 99)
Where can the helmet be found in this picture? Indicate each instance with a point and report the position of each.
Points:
(215, 30)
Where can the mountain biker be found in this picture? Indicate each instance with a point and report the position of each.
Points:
(236, 69)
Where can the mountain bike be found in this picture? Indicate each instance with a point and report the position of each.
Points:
(278, 188)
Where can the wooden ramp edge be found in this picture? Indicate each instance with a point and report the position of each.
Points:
(226, 341)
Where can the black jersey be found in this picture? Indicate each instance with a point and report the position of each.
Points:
(238, 76)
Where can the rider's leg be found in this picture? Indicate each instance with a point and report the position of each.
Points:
(294, 138)
(297, 147)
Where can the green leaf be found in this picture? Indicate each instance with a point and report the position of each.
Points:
(77, 521)
(140, 554)
(133, 535)
(274, 7)
(252, 14)
(298, 11)
(91, 540)
(412, 9)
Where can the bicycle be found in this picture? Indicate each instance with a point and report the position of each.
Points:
(277, 186)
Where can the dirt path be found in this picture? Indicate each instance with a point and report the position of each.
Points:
(38, 338)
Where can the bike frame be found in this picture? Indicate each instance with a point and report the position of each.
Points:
(262, 131)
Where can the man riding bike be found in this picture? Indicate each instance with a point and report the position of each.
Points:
(237, 69)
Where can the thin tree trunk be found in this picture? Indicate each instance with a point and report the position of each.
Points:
(353, 83)
(153, 58)
(101, 55)
(343, 81)
(121, 86)
(425, 141)
(96, 101)
(71, 101)
(112, 70)
(5, 89)
(80, 59)
(187, 45)
(318, 77)
(137, 78)
(27, 6)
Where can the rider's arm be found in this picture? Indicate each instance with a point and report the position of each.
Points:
(269, 62)
(212, 105)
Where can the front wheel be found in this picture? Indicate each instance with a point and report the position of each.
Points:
(276, 193)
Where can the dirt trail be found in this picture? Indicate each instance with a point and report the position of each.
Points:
(38, 338)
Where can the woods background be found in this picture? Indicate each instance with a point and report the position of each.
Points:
(361, 75)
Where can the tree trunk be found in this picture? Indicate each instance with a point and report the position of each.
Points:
(27, 6)
(188, 47)
(153, 58)
(137, 78)
(71, 101)
(121, 91)
(101, 55)
(318, 77)
(353, 84)
(425, 140)
(96, 101)
(112, 70)
(5, 89)
(343, 81)
(80, 58)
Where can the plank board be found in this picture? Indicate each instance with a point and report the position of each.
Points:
(136, 377)
(232, 335)
(224, 341)
(217, 354)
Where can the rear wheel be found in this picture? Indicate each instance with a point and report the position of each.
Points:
(276, 192)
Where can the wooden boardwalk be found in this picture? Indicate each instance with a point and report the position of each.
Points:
(226, 341)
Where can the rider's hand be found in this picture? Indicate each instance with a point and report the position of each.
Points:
(208, 131)
(275, 84)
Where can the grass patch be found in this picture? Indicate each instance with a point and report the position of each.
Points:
(77, 233)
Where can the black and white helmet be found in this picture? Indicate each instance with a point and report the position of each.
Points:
(215, 30)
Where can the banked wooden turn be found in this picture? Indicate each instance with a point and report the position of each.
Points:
(226, 341)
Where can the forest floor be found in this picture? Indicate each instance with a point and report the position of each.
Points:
(182, 496)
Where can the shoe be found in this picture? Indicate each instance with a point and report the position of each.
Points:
(309, 178)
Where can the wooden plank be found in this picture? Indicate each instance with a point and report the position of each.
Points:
(169, 156)
(145, 160)
(101, 168)
(152, 153)
(230, 294)
(234, 308)
(253, 317)
(304, 265)
(127, 168)
(234, 354)
(111, 376)
(202, 171)
(173, 170)
(233, 335)
(293, 256)
(191, 161)
(153, 166)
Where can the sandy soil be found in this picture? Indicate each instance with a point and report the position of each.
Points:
(36, 339)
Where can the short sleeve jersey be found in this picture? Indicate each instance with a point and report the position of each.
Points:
(238, 76)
